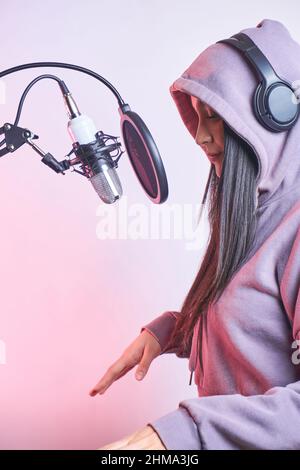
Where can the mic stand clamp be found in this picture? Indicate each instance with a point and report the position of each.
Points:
(16, 136)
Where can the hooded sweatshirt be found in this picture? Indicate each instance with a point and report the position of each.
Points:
(249, 380)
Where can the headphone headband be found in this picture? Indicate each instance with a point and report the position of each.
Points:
(274, 100)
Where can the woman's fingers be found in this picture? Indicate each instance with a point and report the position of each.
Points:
(116, 371)
(141, 351)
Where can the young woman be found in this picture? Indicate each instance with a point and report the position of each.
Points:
(239, 324)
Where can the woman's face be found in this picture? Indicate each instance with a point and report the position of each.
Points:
(210, 133)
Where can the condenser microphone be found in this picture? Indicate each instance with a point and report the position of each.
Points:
(93, 154)
(100, 168)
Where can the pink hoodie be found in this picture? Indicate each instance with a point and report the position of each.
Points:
(249, 382)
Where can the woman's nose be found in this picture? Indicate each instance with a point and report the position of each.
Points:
(203, 136)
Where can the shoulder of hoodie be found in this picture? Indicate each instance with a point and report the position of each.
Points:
(289, 205)
(289, 225)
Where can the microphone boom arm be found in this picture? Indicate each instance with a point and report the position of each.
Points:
(16, 136)
(139, 143)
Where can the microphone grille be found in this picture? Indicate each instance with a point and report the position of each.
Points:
(107, 185)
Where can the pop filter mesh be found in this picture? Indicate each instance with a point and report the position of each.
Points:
(140, 160)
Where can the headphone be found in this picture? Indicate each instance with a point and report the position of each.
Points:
(274, 102)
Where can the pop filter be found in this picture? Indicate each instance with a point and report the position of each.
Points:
(143, 155)
(140, 146)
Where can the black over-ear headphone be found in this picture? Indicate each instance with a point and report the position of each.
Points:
(274, 102)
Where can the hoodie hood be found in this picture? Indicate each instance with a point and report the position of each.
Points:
(223, 78)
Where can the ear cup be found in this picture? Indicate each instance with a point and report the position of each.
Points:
(274, 107)
(280, 103)
(259, 109)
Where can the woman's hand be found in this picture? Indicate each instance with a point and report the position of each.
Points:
(142, 350)
(145, 438)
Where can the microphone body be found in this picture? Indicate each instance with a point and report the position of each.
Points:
(97, 163)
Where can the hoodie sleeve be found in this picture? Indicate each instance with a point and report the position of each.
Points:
(231, 422)
(161, 328)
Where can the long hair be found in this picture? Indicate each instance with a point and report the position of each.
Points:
(232, 222)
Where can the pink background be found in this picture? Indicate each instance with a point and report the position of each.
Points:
(71, 303)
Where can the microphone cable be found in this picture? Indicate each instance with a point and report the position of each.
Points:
(61, 83)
